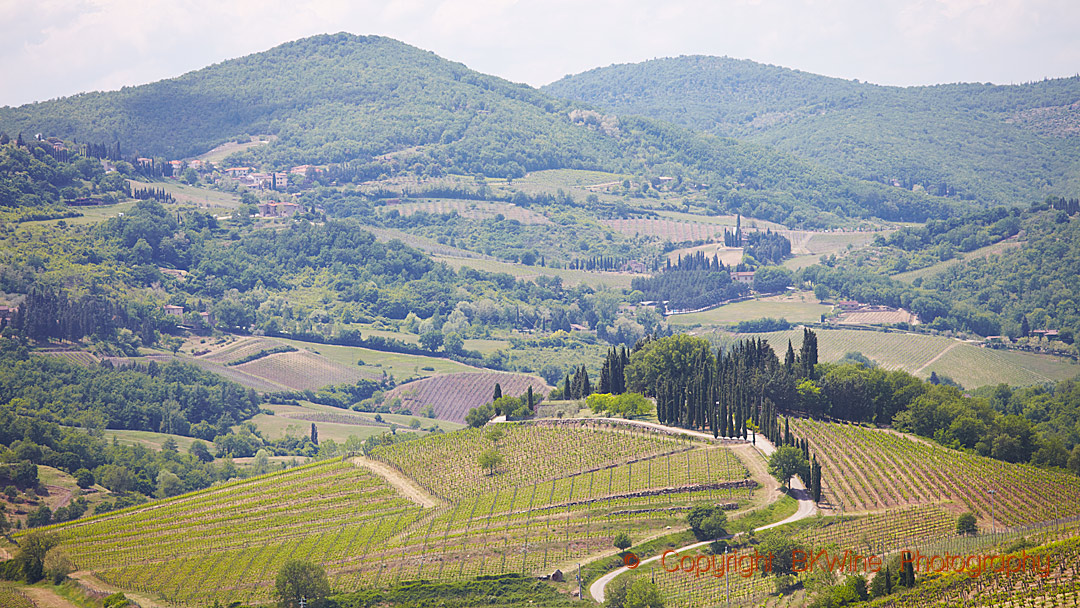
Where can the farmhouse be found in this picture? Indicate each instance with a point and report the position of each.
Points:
(274, 209)
(239, 171)
(848, 305)
(745, 277)
(174, 311)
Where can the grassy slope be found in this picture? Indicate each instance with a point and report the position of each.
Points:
(982, 252)
(805, 311)
(401, 366)
(970, 365)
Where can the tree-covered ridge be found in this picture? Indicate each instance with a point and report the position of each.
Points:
(170, 398)
(974, 141)
(993, 295)
(375, 102)
(32, 176)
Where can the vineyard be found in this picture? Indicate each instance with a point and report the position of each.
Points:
(889, 532)
(562, 494)
(302, 370)
(668, 230)
(884, 317)
(870, 470)
(453, 395)
(1012, 589)
(237, 350)
(77, 357)
(477, 210)
(10, 597)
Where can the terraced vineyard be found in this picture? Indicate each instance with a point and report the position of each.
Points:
(453, 395)
(562, 495)
(873, 470)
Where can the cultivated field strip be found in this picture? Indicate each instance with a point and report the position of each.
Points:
(303, 370)
(872, 470)
(530, 452)
(238, 350)
(453, 395)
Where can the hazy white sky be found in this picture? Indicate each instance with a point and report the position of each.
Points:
(52, 48)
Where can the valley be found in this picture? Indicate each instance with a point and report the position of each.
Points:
(349, 316)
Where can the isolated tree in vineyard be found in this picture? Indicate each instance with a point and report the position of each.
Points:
(622, 541)
(498, 392)
(314, 434)
(301, 580)
(965, 525)
(490, 460)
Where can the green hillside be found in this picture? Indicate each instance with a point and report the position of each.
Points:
(991, 143)
(438, 516)
(383, 108)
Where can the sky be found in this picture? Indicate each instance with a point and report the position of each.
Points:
(55, 48)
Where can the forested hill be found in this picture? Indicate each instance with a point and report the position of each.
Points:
(1003, 144)
(342, 98)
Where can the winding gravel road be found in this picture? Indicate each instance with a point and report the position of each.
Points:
(798, 492)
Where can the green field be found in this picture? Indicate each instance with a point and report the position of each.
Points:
(794, 311)
(190, 195)
(400, 365)
(149, 439)
(970, 365)
(219, 153)
(982, 252)
(90, 215)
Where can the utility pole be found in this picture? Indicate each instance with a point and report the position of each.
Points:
(727, 577)
(993, 520)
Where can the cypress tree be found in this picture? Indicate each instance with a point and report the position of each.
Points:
(566, 387)
(314, 434)
(498, 392)
(605, 375)
(815, 482)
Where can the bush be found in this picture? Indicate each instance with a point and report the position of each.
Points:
(84, 478)
(116, 600)
(707, 522)
(57, 565)
(762, 325)
(965, 524)
(41, 516)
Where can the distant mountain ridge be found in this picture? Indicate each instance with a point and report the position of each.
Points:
(342, 98)
(991, 143)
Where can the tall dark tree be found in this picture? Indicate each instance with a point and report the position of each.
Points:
(498, 392)
(314, 434)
